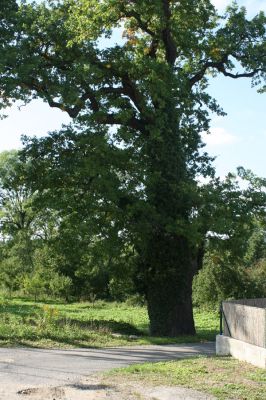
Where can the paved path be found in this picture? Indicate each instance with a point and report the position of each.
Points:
(21, 368)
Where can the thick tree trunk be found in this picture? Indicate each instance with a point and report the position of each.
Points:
(169, 287)
(168, 260)
(170, 317)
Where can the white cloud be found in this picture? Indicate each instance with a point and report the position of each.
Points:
(218, 137)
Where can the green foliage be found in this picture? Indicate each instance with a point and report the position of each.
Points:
(60, 286)
(10, 274)
(120, 289)
(256, 246)
(42, 252)
(235, 246)
(16, 212)
(257, 276)
(44, 280)
(34, 285)
(230, 214)
(221, 279)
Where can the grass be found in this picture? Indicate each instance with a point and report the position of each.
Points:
(47, 324)
(222, 377)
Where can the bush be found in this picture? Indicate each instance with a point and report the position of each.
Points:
(221, 280)
(34, 285)
(10, 274)
(60, 286)
(257, 277)
(120, 288)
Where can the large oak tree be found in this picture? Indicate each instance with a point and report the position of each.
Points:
(146, 94)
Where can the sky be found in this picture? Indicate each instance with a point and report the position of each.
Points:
(237, 139)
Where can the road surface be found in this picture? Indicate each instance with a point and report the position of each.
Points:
(22, 369)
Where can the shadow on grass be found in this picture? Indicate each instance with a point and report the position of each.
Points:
(80, 341)
(18, 309)
(24, 309)
(90, 306)
(109, 326)
(208, 335)
(40, 300)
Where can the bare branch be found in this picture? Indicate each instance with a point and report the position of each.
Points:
(221, 67)
(242, 75)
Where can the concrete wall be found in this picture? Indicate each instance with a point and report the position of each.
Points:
(241, 350)
(245, 320)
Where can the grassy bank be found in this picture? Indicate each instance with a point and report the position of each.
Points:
(222, 377)
(24, 322)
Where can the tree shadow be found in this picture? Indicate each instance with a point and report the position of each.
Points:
(17, 309)
(207, 334)
(112, 326)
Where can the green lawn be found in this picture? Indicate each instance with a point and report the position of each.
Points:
(24, 322)
(222, 377)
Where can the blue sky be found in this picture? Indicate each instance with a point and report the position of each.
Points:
(237, 139)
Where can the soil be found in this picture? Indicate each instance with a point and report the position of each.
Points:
(92, 388)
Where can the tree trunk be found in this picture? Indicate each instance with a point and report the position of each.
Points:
(169, 287)
(168, 260)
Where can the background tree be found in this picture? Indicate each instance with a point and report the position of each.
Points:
(52, 245)
(16, 219)
(151, 88)
(88, 194)
(234, 248)
(27, 258)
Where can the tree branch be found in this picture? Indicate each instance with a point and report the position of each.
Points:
(141, 24)
(220, 66)
(242, 75)
(114, 119)
(170, 46)
(153, 48)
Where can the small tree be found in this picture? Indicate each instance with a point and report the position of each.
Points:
(10, 274)
(60, 286)
(34, 285)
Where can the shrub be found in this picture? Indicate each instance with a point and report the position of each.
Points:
(221, 280)
(34, 285)
(60, 286)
